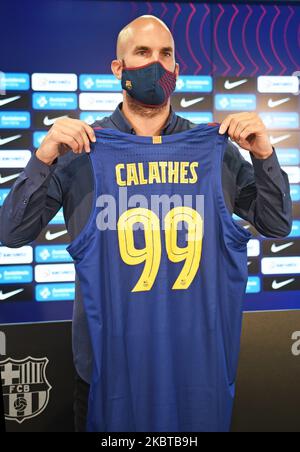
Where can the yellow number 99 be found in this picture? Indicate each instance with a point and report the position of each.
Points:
(151, 254)
(192, 252)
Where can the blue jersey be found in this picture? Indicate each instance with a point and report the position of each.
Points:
(162, 268)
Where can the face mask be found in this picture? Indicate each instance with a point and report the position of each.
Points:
(151, 85)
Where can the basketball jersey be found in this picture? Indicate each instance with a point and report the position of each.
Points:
(162, 268)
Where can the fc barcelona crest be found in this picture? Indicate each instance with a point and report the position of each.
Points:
(25, 388)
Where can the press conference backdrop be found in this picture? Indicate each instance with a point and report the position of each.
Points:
(56, 62)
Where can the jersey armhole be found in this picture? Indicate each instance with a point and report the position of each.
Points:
(74, 248)
(237, 233)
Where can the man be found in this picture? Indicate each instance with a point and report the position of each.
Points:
(55, 177)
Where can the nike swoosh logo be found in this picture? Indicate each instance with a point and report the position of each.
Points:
(276, 248)
(8, 139)
(231, 85)
(275, 140)
(188, 103)
(276, 285)
(49, 122)
(276, 103)
(52, 236)
(8, 100)
(5, 296)
(3, 180)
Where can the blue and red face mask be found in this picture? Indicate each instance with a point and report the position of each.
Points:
(150, 85)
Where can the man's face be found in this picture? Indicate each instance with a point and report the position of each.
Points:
(149, 46)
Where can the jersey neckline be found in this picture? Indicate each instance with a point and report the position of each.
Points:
(157, 139)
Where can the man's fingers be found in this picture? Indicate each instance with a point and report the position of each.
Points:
(87, 129)
(240, 127)
(78, 133)
(224, 124)
(70, 131)
(236, 128)
(71, 142)
(232, 120)
(250, 129)
(79, 127)
(90, 131)
(232, 127)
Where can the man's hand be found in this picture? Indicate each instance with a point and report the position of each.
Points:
(249, 132)
(65, 134)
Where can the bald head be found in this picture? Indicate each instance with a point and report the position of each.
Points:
(143, 31)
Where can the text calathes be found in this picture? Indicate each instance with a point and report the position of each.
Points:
(156, 173)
